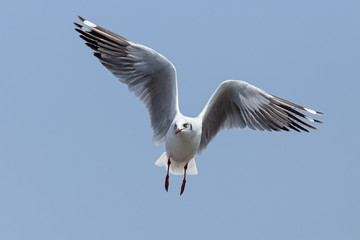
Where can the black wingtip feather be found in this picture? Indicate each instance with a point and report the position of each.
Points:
(285, 129)
(92, 46)
(298, 126)
(84, 38)
(77, 25)
(98, 55)
(81, 19)
(79, 31)
(294, 128)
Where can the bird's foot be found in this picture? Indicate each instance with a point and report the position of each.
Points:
(184, 180)
(167, 176)
(167, 182)
(183, 186)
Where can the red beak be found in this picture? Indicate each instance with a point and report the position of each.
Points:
(177, 131)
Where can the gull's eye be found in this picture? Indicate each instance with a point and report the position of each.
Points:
(186, 125)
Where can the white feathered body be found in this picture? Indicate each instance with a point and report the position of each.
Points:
(181, 147)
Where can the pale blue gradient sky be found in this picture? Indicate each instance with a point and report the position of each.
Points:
(76, 156)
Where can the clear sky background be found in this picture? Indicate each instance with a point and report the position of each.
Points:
(76, 155)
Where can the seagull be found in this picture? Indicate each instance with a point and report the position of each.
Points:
(152, 78)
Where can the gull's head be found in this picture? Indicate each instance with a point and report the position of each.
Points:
(182, 126)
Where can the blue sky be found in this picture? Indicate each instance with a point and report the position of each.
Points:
(76, 156)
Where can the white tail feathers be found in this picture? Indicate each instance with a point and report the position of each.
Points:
(177, 168)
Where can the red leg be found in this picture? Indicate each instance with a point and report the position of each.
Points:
(184, 181)
(167, 176)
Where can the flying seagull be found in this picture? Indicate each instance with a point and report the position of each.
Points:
(152, 78)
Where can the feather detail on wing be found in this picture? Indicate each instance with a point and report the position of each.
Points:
(147, 73)
(238, 104)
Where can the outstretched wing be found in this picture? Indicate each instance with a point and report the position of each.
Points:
(239, 104)
(147, 73)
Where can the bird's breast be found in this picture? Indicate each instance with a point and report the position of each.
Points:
(181, 147)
